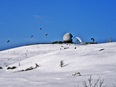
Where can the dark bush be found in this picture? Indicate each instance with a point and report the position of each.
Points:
(61, 63)
(14, 67)
(1, 67)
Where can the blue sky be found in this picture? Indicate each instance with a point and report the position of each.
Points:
(20, 19)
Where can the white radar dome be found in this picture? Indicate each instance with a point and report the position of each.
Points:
(67, 37)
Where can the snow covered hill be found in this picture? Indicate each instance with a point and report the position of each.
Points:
(58, 65)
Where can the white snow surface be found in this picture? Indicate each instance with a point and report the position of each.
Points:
(96, 60)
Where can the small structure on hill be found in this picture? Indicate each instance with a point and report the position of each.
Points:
(67, 38)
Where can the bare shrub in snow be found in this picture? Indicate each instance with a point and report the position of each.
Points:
(0, 67)
(25, 54)
(19, 64)
(36, 65)
(61, 63)
(114, 85)
(101, 49)
(14, 67)
(30, 68)
(66, 47)
(97, 83)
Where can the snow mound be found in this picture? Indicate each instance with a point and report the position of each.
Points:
(57, 65)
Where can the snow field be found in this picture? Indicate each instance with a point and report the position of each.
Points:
(97, 60)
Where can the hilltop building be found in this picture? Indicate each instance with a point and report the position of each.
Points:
(67, 38)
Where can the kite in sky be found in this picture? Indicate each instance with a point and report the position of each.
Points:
(8, 41)
(93, 39)
(40, 28)
(46, 34)
(79, 39)
(32, 36)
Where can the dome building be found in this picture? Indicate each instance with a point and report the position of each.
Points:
(67, 38)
